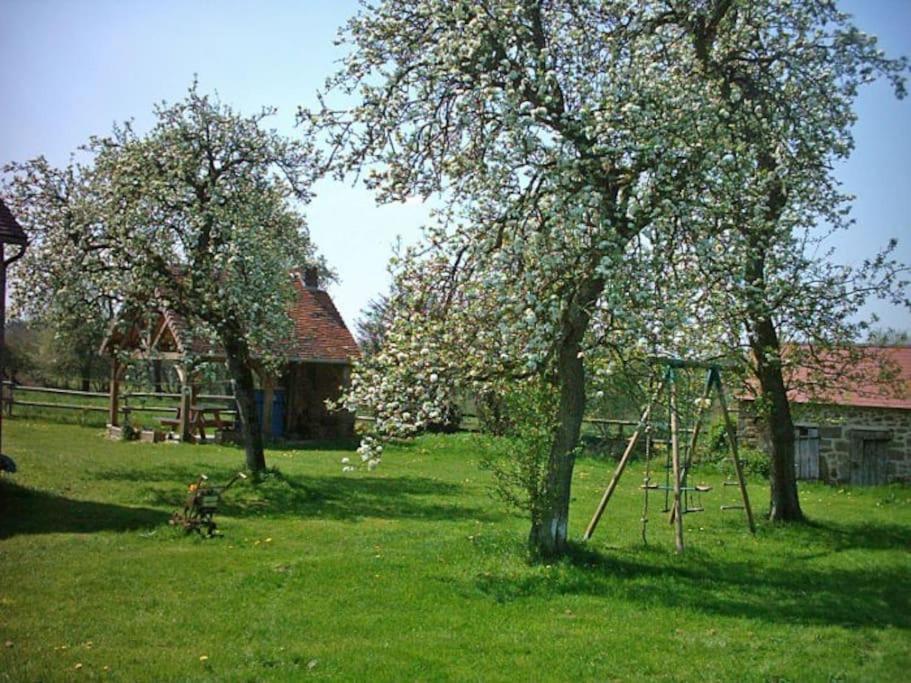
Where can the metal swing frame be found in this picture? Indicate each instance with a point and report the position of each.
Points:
(678, 470)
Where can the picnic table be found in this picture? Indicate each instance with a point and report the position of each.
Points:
(200, 416)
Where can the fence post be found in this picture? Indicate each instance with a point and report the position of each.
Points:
(126, 408)
(113, 406)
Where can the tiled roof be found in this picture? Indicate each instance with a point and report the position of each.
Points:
(10, 230)
(868, 376)
(320, 332)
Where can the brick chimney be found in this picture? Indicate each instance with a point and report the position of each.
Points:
(311, 277)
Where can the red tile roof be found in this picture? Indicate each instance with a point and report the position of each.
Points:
(320, 332)
(10, 230)
(866, 376)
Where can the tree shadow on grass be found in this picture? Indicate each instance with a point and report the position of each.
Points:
(286, 445)
(777, 593)
(323, 497)
(30, 511)
(839, 536)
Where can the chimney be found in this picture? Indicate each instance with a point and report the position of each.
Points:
(311, 277)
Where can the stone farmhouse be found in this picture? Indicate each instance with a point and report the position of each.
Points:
(853, 431)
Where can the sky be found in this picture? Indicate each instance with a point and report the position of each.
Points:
(72, 68)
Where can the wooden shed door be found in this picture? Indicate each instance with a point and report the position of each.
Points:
(868, 461)
(806, 462)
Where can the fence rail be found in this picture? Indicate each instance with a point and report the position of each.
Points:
(9, 400)
(51, 390)
(606, 429)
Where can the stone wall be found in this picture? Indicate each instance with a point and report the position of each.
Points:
(844, 433)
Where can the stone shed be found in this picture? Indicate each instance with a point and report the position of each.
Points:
(859, 433)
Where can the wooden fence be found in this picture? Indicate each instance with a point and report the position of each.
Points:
(11, 398)
(603, 434)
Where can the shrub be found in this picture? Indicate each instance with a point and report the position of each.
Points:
(492, 413)
(518, 459)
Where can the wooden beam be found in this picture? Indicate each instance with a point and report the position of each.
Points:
(268, 397)
(114, 393)
(621, 466)
(735, 455)
(675, 464)
(186, 398)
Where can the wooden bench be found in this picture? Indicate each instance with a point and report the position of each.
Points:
(201, 416)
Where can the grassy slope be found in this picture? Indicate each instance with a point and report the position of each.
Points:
(412, 572)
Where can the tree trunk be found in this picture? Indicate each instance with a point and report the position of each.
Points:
(548, 536)
(238, 356)
(784, 505)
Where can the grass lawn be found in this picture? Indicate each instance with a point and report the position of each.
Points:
(413, 573)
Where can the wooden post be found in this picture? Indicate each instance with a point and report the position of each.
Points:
(186, 397)
(706, 392)
(675, 464)
(125, 408)
(590, 529)
(268, 397)
(114, 403)
(735, 455)
(194, 400)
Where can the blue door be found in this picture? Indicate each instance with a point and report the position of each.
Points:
(278, 411)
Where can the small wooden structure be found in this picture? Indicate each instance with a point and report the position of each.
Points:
(318, 364)
(679, 468)
(10, 233)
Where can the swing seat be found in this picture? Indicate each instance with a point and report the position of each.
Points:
(699, 509)
(731, 507)
(664, 487)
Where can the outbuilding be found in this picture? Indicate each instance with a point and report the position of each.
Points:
(856, 430)
(293, 401)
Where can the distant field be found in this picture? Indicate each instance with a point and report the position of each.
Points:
(414, 573)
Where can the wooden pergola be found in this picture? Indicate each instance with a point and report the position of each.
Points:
(10, 233)
(161, 335)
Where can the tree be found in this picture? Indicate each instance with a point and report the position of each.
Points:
(54, 203)
(786, 75)
(560, 133)
(198, 216)
(555, 131)
(370, 328)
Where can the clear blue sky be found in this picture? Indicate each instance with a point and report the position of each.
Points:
(70, 69)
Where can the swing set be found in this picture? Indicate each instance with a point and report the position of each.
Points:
(679, 494)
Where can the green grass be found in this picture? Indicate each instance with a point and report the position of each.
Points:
(414, 573)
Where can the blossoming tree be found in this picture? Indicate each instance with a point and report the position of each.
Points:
(560, 133)
(555, 131)
(786, 75)
(198, 215)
